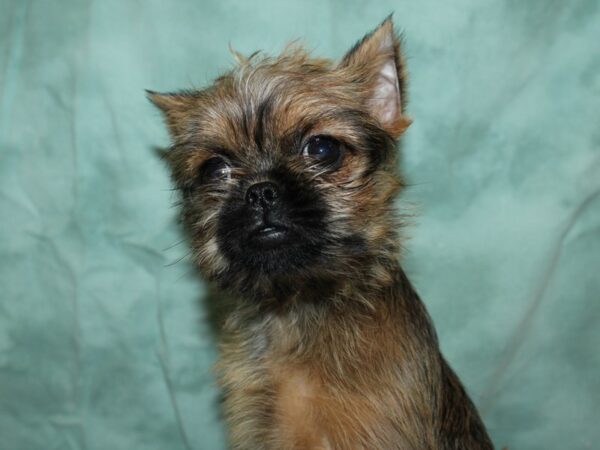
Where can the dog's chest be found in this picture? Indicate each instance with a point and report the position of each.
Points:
(309, 414)
(330, 400)
(312, 411)
(297, 409)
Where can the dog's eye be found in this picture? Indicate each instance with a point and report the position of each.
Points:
(324, 149)
(214, 169)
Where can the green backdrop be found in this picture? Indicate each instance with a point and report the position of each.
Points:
(103, 338)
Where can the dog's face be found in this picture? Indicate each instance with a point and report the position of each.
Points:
(286, 164)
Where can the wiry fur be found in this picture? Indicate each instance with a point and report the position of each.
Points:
(335, 351)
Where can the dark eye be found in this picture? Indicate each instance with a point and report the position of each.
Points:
(324, 149)
(214, 169)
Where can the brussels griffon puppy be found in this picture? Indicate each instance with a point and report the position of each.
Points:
(287, 171)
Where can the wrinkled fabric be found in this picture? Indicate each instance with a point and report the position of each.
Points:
(104, 342)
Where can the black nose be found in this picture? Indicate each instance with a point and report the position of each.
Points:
(262, 195)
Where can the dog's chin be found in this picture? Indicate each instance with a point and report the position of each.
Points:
(272, 253)
(280, 254)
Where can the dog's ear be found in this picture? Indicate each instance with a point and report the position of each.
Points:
(175, 108)
(376, 63)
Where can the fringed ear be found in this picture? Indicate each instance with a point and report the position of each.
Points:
(174, 107)
(377, 62)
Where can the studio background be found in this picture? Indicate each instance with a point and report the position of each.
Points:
(103, 337)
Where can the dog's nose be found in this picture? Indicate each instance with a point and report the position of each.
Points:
(262, 195)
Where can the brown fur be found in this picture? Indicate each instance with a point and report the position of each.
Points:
(339, 353)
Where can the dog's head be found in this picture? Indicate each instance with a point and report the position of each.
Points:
(286, 165)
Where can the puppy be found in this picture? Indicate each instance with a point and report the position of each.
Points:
(287, 171)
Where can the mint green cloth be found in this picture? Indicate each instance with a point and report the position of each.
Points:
(104, 342)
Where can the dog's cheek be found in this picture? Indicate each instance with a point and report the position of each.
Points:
(200, 214)
(209, 257)
(383, 225)
(362, 205)
(341, 191)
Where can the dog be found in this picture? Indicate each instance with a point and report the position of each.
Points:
(287, 173)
